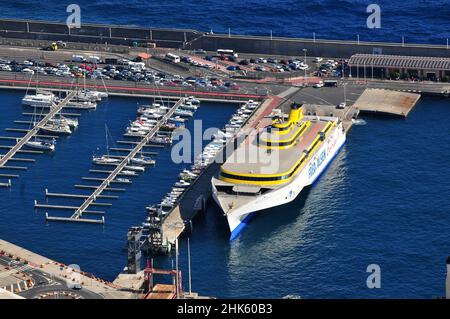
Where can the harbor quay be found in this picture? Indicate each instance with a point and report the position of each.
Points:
(301, 98)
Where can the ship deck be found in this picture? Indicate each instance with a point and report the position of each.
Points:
(249, 159)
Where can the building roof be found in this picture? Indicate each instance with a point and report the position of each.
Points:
(400, 61)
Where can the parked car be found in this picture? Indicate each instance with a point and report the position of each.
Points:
(319, 85)
(341, 105)
(78, 58)
(27, 71)
(4, 67)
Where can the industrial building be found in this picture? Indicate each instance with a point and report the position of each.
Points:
(399, 67)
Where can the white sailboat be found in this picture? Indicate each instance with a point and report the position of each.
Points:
(105, 159)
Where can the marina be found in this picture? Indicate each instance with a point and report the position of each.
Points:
(52, 123)
(347, 129)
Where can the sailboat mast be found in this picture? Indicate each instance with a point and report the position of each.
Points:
(107, 143)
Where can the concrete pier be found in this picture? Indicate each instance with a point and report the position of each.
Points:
(387, 102)
(175, 222)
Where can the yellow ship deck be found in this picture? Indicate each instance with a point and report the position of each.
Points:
(255, 163)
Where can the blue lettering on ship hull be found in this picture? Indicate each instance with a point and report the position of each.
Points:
(313, 166)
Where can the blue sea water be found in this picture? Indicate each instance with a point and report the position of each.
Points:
(419, 21)
(384, 200)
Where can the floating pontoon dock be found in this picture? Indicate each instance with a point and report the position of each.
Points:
(90, 200)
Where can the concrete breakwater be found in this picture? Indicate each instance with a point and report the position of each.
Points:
(192, 39)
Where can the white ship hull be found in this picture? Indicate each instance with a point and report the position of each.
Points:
(239, 217)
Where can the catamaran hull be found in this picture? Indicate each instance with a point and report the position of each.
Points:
(239, 217)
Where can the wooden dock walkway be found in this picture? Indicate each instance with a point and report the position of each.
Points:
(31, 133)
(77, 216)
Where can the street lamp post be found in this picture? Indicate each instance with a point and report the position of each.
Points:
(306, 75)
(345, 93)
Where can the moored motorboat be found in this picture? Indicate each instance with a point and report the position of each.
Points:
(59, 129)
(142, 160)
(105, 160)
(43, 145)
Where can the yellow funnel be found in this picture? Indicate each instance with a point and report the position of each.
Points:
(296, 113)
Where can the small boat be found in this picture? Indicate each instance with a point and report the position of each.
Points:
(183, 113)
(44, 145)
(122, 180)
(182, 184)
(168, 127)
(246, 111)
(128, 173)
(135, 168)
(142, 160)
(188, 172)
(59, 129)
(177, 119)
(193, 100)
(43, 99)
(161, 140)
(105, 160)
(96, 94)
(189, 107)
(151, 114)
(359, 122)
(86, 105)
(65, 121)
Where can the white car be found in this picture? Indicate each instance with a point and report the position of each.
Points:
(342, 105)
(319, 85)
(318, 59)
(4, 67)
(28, 71)
(262, 60)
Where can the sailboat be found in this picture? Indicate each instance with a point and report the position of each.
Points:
(105, 159)
(56, 128)
(40, 144)
(73, 123)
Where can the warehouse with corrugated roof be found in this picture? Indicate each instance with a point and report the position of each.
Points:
(399, 67)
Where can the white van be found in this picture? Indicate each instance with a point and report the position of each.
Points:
(78, 58)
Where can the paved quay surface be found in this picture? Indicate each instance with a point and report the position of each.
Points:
(50, 277)
(387, 102)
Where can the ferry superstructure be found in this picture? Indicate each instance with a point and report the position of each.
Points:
(296, 151)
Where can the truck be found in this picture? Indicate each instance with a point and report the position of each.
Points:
(330, 83)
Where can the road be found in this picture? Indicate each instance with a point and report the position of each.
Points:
(43, 282)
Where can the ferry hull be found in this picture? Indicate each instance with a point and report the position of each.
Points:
(240, 216)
